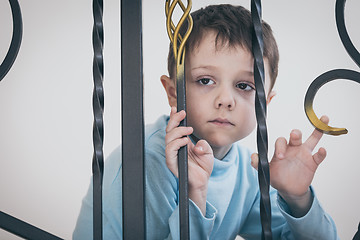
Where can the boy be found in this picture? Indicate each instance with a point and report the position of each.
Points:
(223, 187)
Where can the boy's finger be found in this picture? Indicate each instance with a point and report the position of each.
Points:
(175, 119)
(171, 153)
(295, 138)
(280, 148)
(255, 160)
(315, 137)
(177, 133)
(173, 147)
(319, 156)
(172, 111)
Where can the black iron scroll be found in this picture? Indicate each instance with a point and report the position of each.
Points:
(23, 229)
(15, 41)
(98, 109)
(260, 110)
(331, 75)
(8, 222)
(132, 120)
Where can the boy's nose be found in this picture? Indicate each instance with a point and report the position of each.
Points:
(226, 100)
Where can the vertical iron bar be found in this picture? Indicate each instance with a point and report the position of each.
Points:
(260, 109)
(132, 120)
(179, 54)
(98, 126)
(182, 159)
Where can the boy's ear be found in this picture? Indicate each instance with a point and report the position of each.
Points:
(270, 97)
(170, 89)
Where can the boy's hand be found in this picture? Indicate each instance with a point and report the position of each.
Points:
(200, 157)
(293, 167)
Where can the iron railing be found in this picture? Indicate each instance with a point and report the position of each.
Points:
(133, 119)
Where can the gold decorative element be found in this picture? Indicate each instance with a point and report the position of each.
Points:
(173, 31)
(319, 125)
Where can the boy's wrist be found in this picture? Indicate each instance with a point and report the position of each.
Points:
(199, 198)
(299, 205)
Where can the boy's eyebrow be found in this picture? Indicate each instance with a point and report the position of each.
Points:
(204, 66)
(212, 67)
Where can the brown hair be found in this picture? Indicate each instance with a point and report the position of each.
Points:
(233, 26)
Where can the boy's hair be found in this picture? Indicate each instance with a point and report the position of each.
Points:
(233, 26)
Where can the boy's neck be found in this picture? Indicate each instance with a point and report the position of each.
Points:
(220, 153)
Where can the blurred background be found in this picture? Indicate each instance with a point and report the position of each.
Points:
(46, 113)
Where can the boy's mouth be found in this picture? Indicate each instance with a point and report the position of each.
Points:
(221, 122)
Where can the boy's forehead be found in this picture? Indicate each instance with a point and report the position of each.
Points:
(209, 41)
(209, 45)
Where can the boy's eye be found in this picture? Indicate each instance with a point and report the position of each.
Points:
(244, 86)
(206, 81)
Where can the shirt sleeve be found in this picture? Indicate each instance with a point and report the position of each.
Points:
(316, 224)
(200, 225)
(162, 210)
(252, 226)
(112, 203)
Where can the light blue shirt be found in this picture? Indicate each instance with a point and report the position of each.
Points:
(232, 206)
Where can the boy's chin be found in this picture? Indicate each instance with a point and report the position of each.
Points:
(216, 141)
(221, 141)
(218, 144)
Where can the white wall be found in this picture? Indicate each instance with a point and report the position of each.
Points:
(46, 114)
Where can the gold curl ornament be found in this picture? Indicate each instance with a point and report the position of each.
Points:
(173, 31)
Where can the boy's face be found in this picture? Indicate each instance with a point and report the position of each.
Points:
(220, 93)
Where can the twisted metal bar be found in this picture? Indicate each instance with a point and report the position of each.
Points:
(15, 40)
(333, 74)
(98, 109)
(260, 110)
(179, 54)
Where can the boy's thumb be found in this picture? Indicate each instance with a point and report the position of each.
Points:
(203, 147)
(255, 160)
